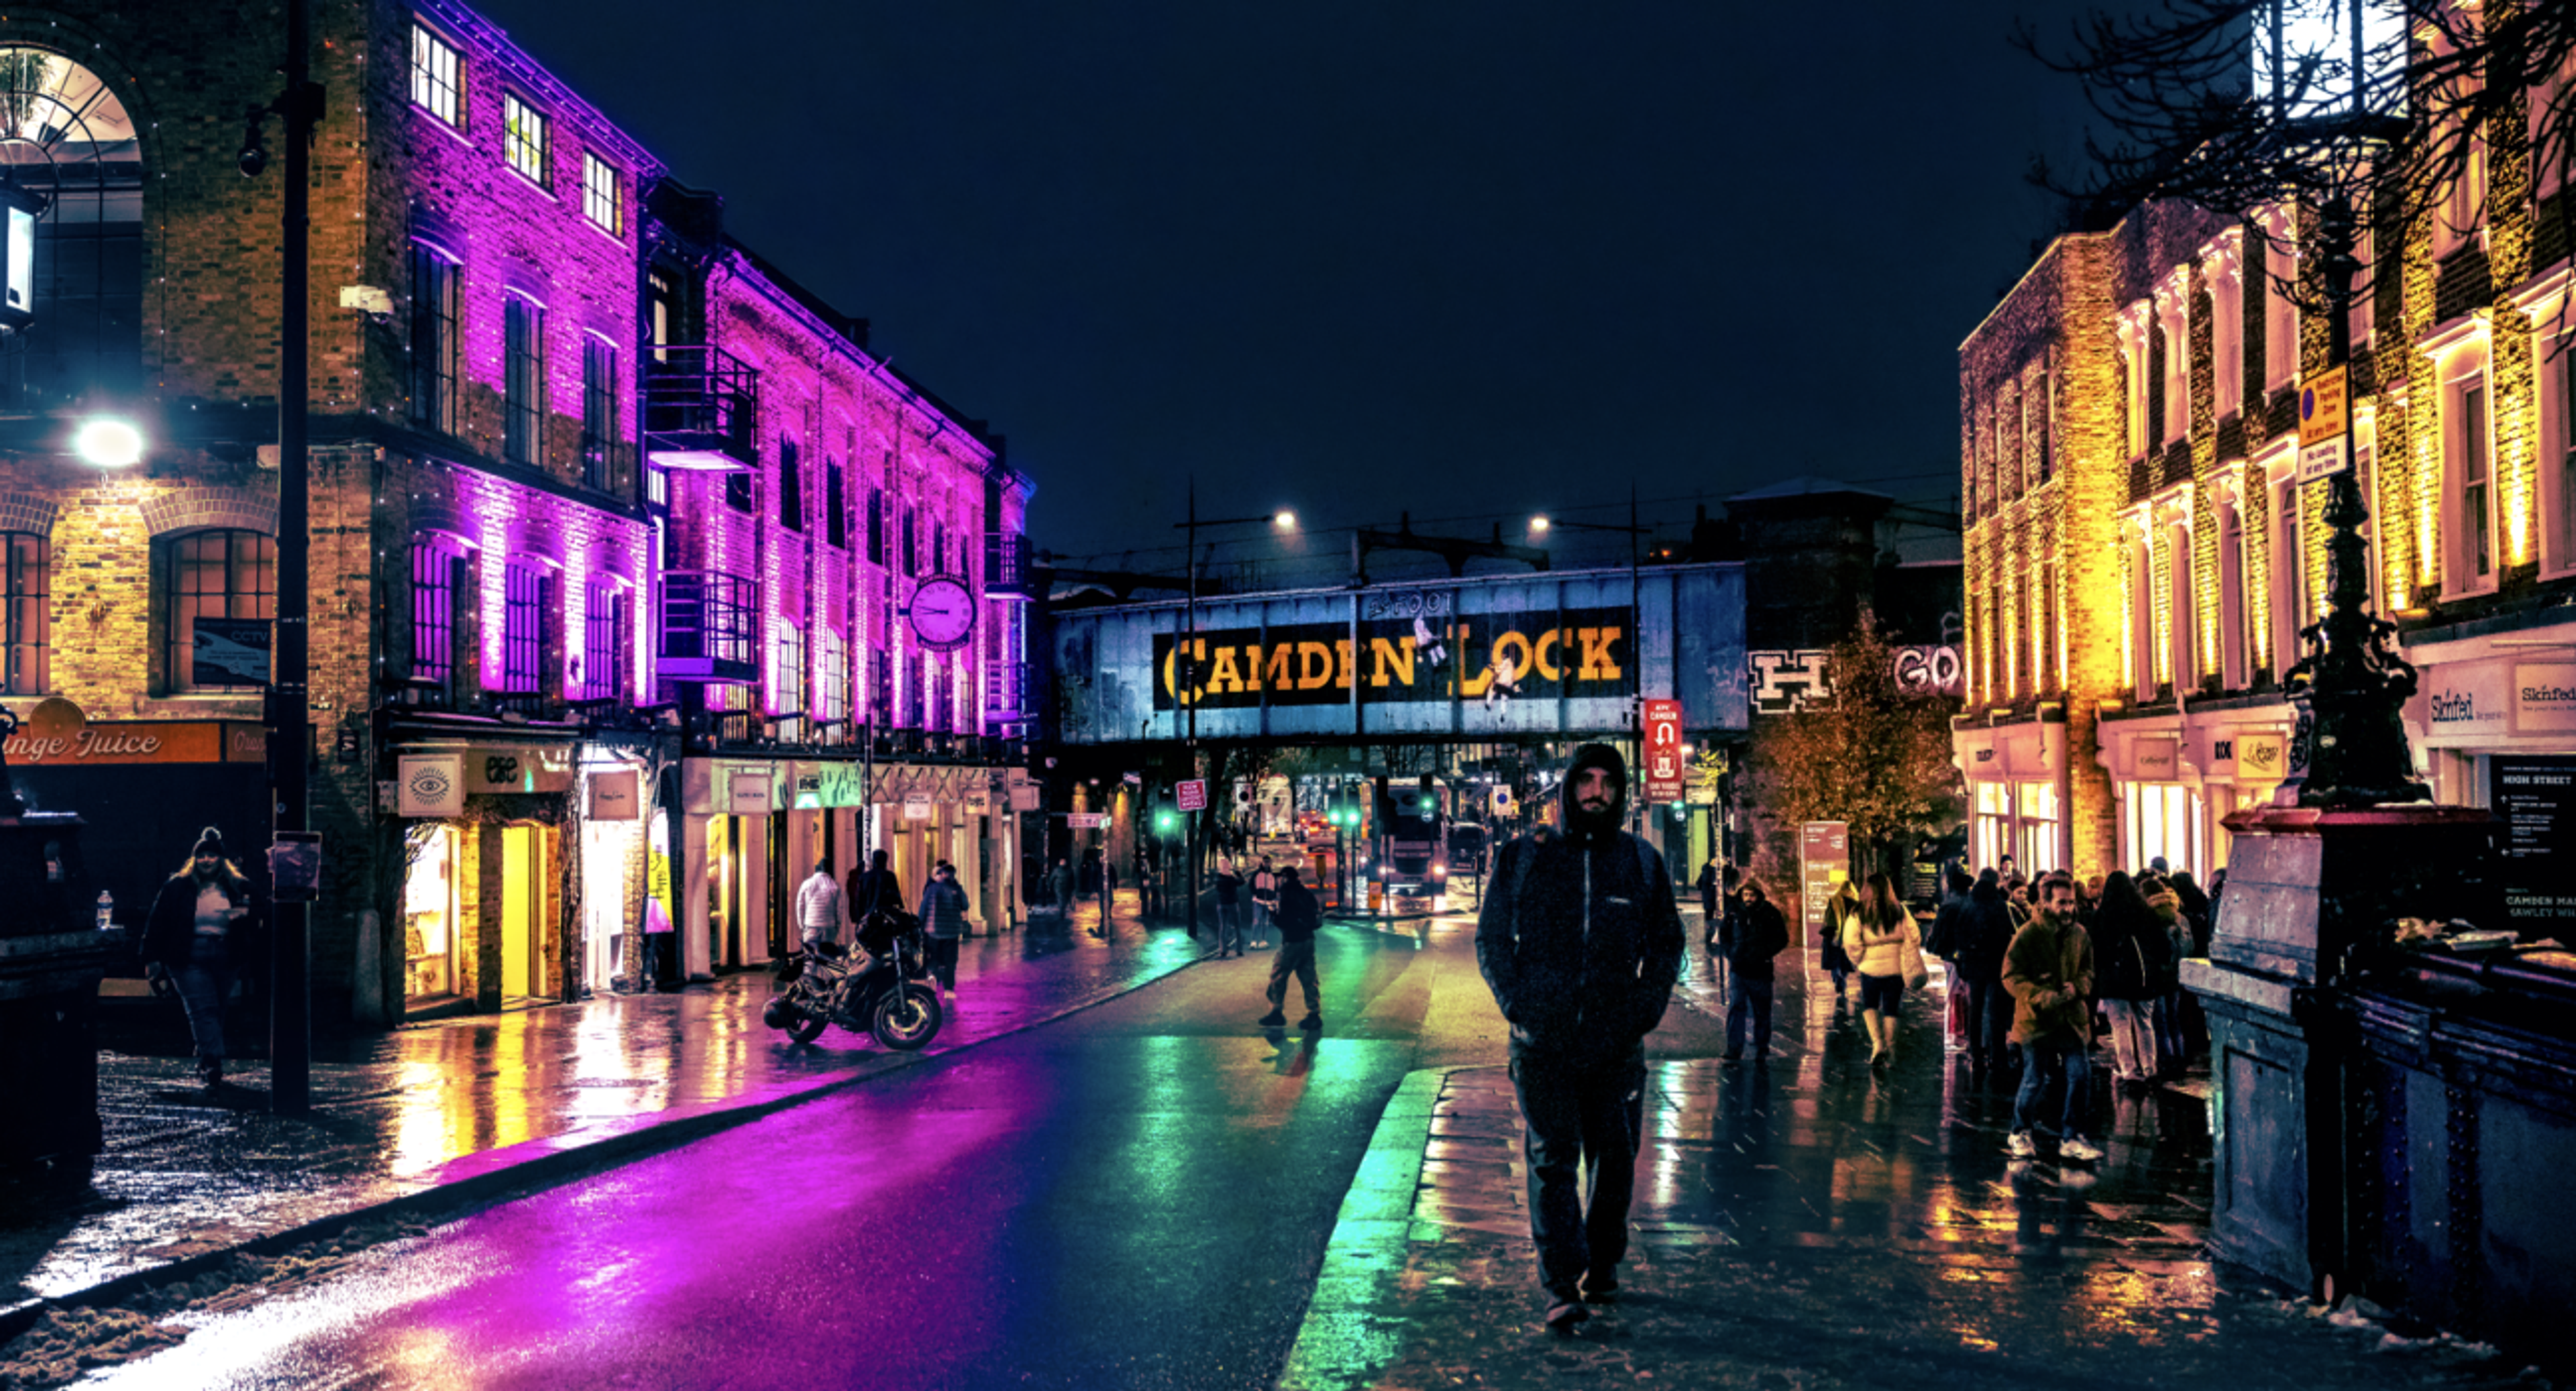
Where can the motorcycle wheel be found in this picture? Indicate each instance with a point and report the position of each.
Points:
(807, 1027)
(909, 1020)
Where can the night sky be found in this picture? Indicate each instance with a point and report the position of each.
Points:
(1467, 260)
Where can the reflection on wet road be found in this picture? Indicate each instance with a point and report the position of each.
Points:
(1136, 1195)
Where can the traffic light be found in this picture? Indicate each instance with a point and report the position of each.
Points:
(1167, 821)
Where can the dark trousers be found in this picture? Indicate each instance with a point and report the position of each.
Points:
(1990, 1011)
(1297, 959)
(2045, 1064)
(204, 979)
(1748, 1002)
(662, 960)
(1580, 1120)
(940, 955)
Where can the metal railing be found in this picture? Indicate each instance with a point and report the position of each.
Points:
(700, 406)
(710, 627)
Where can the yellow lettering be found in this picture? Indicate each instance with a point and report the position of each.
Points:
(1503, 642)
(1342, 649)
(1314, 665)
(1227, 676)
(1597, 665)
(1547, 641)
(1282, 672)
(1391, 652)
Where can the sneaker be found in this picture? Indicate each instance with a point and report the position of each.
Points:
(2079, 1149)
(1564, 1312)
(2019, 1146)
(1311, 1021)
(1273, 1020)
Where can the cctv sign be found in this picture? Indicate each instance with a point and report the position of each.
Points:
(1666, 770)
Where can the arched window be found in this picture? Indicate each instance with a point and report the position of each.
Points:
(212, 575)
(24, 593)
(66, 138)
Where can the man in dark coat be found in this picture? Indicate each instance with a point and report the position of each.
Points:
(1755, 933)
(1580, 942)
(1299, 916)
(874, 889)
(1978, 936)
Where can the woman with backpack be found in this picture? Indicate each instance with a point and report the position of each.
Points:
(2132, 955)
(1887, 953)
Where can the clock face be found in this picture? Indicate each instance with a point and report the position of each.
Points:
(943, 612)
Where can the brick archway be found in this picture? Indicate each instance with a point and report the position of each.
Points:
(26, 512)
(203, 508)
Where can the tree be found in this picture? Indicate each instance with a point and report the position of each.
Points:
(1867, 752)
(2386, 109)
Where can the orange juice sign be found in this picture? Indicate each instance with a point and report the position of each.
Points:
(57, 731)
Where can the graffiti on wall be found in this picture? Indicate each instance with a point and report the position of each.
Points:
(1785, 681)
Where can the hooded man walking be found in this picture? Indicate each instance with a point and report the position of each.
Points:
(1581, 944)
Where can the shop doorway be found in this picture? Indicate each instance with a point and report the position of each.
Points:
(522, 896)
(729, 870)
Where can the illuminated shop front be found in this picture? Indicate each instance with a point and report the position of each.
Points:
(2176, 778)
(2016, 777)
(484, 891)
(2488, 699)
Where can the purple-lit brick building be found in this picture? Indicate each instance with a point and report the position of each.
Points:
(580, 472)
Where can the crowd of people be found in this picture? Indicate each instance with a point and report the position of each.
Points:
(2039, 969)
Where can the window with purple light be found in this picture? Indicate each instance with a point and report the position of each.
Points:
(787, 692)
(604, 634)
(523, 388)
(437, 577)
(791, 487)
(526, 589)
(832, 699)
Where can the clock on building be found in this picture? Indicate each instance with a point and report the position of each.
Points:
(942, 613)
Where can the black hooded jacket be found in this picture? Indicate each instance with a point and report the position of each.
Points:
(1579, 938)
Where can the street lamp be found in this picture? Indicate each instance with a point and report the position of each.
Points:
(1184, 662)
(107, 441)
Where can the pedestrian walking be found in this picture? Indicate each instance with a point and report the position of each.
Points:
(1580, 942)
(2049, 970)
(197, 935)
(1229, 908)
(1265, 902)
(1839, 909)
(818, 907)
(943, 922)
(1714, 891)
(1299, 916)
(1059, 885)
(1880, 940)
(1094, 877)
(1978, 939)
(1753, 934)
(874, 890)
(2132, 954)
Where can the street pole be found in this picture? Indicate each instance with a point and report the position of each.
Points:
(290, 1042)
(1636, 670)
(1186, 669)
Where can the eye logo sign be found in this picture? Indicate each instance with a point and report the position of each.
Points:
(430, 784)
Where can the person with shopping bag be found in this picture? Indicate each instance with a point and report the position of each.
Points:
(1887, 954)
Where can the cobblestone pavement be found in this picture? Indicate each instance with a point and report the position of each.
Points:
(1808, 1223)
(188, 1173)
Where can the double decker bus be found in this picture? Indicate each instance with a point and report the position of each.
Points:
(1410, 848)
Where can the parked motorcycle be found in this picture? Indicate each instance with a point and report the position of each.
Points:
(891, 997)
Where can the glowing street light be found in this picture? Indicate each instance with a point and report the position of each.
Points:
(107, 442)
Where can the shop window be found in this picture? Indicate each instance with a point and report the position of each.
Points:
(212, 574)
(606, 630)
(598, 413)
(526, 598)
(2036, 807)
(1994, 823)
(437, 597)
(429, 913)
(437, 77)
(436, 307)
(2162, 819)
(527, 139)
(23, 611)
(523, 387)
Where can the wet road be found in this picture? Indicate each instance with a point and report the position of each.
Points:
(1137, 1195)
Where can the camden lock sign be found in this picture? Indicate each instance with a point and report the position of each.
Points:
(1574, 652)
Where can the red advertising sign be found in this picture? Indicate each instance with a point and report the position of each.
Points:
(1666, 769)
(1193, 794)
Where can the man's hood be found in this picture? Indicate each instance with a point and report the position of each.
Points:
(1580, 825)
